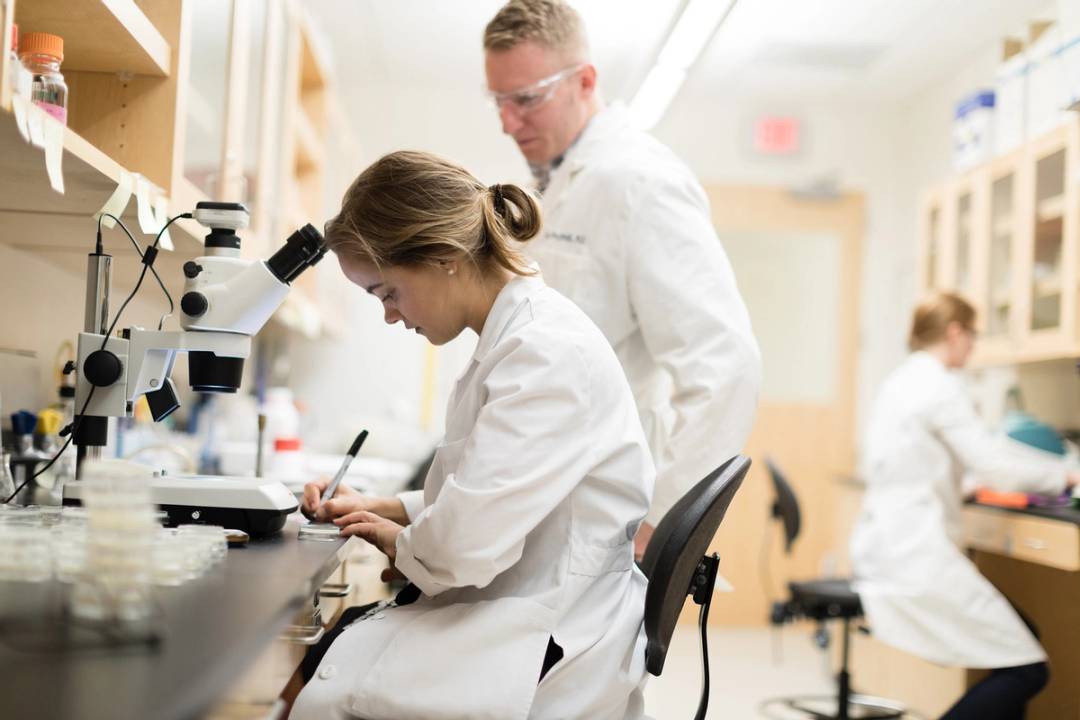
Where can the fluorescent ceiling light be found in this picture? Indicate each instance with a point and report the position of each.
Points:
(692, 32)
(655, 95)
(696, 25)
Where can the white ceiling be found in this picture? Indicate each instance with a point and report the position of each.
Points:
(884, 50)
(438, 42)
(877, 50)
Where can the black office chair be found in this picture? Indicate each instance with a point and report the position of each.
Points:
(822, 600)
(676, 564)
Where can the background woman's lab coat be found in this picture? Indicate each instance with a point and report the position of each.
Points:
(523, 532)
(919, 590)
(628, 236)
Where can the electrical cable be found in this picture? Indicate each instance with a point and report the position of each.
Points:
(139, 250)
(703, 621)
(148, 258)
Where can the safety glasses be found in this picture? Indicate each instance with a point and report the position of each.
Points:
(529, 98)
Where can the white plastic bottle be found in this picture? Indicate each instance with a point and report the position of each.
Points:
(286, 459)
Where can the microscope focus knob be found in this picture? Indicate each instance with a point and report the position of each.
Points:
(192, 269)
(194, 304)
(102, 368)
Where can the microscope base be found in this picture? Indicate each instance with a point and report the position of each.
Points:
(255, 505)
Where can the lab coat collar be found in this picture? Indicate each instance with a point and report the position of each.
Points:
(510, 301)
(609, 120)
(931, 361)
(925, 358)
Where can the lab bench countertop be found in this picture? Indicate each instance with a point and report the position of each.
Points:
(1064, 514)
(211, 630)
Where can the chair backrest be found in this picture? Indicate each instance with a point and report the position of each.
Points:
(678, 544)
(785, 506)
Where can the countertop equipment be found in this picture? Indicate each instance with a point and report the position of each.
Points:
(226, 301)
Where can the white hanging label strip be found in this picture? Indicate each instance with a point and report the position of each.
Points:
(20, 99)
(117, 202)
(35, 123)
(142, 201)
(54, 153)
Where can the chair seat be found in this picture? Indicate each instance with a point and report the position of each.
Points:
(826, 598)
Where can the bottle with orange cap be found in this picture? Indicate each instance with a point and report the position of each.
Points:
(41, 54)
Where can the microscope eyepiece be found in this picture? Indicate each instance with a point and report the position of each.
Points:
(304, 248)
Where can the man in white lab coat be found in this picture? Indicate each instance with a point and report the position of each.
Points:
(628, 237)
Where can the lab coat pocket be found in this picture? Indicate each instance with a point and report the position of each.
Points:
(467, 660)
(445, 463)
(594, 558)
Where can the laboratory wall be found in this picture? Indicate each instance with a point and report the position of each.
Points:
(41, 306)
(890, 150)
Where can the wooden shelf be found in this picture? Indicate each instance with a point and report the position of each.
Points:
(1049, 231)
(310, 150)
(1004, 227)
(299, 314)
(1047, 288)
(61, 227)
(314, 65)
(99, 35)
(1051, 209)
(1000, 300)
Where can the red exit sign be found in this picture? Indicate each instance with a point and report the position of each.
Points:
(776, 135)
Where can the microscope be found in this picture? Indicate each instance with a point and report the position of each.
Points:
(226, 301)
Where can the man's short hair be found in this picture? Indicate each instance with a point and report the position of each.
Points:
(552, 24)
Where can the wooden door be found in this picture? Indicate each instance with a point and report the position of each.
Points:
(797, 262)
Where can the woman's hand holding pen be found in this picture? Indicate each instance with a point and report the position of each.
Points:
(346, 501)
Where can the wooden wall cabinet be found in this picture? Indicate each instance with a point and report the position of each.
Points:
(999, 302)
(1007, 237)
(207, 99)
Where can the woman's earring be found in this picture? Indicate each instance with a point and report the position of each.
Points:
(450, 271)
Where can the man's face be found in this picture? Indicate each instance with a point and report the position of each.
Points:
(554, 113)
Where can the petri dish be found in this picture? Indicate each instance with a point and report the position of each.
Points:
(325, 532)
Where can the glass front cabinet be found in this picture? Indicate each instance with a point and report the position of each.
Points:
(1006, 236)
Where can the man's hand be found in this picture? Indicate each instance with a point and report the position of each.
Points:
(377, 530)
(641, 540)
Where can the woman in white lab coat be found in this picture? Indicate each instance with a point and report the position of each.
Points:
(525, 601)
(920, 592)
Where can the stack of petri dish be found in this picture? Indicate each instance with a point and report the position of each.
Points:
(187, 552)
(206, 541)
(121, 527)
(27, 553)
(113, 550)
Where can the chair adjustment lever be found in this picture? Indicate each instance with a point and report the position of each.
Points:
(704, 580)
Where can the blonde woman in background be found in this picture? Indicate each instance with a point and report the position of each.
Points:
(524, 600)
(919, 590)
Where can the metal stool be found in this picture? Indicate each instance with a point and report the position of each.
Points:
(822, 600)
